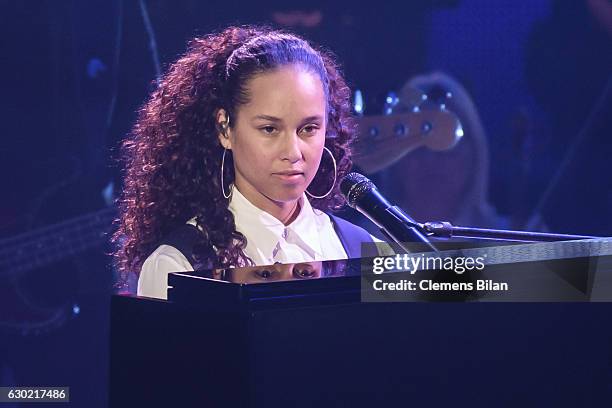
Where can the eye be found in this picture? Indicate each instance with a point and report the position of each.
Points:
(309, 129)
(263, 274)
(268, 129)
(303, 273)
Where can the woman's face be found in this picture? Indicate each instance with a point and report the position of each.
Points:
(277, 138)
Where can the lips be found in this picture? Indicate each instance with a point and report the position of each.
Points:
(293, 177)
(289, 173)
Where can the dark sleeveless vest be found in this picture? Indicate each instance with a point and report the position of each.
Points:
(351, 236)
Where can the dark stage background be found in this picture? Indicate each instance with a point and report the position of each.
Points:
(75, 72)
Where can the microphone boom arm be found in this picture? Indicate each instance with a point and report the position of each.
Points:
(444, 229)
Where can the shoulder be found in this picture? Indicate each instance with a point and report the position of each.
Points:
(340, 225)
(153, 278)
(351, 236)
(183, 236)
(346, 227)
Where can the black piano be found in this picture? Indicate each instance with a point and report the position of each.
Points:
(317, 335)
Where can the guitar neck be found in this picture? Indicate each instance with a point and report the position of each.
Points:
(55, 242)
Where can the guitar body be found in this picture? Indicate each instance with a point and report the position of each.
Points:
(45, 271)
(39, 300)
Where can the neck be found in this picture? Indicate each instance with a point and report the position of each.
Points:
(284, 211)
(292, 214)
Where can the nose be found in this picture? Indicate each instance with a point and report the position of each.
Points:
(291, 150)
(285, 271)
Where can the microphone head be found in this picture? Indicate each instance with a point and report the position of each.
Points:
(354, 186)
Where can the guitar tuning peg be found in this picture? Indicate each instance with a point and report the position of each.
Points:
(358, 106)
(459, 132)
(448, 95)
(390, 102)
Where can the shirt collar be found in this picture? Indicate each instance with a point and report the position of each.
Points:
(306, 227)
(263, 231)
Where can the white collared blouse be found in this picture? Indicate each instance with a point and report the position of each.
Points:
(310, 237)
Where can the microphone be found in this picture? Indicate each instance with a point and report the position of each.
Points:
(394, 223)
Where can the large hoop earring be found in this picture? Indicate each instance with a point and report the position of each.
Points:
(222, 182)
(335, 175)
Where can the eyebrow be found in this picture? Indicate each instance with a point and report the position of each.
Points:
(315, 118)
(268, 117)
(278, 120)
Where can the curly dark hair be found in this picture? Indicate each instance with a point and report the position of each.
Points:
(172, 156)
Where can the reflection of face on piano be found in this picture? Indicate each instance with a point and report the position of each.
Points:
(272, 273)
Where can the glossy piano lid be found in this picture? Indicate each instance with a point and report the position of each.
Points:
(560, 271)
(284, 285)
(284, 272)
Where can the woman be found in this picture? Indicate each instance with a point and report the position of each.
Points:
(234, 159)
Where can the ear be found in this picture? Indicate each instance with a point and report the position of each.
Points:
(223, 128)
